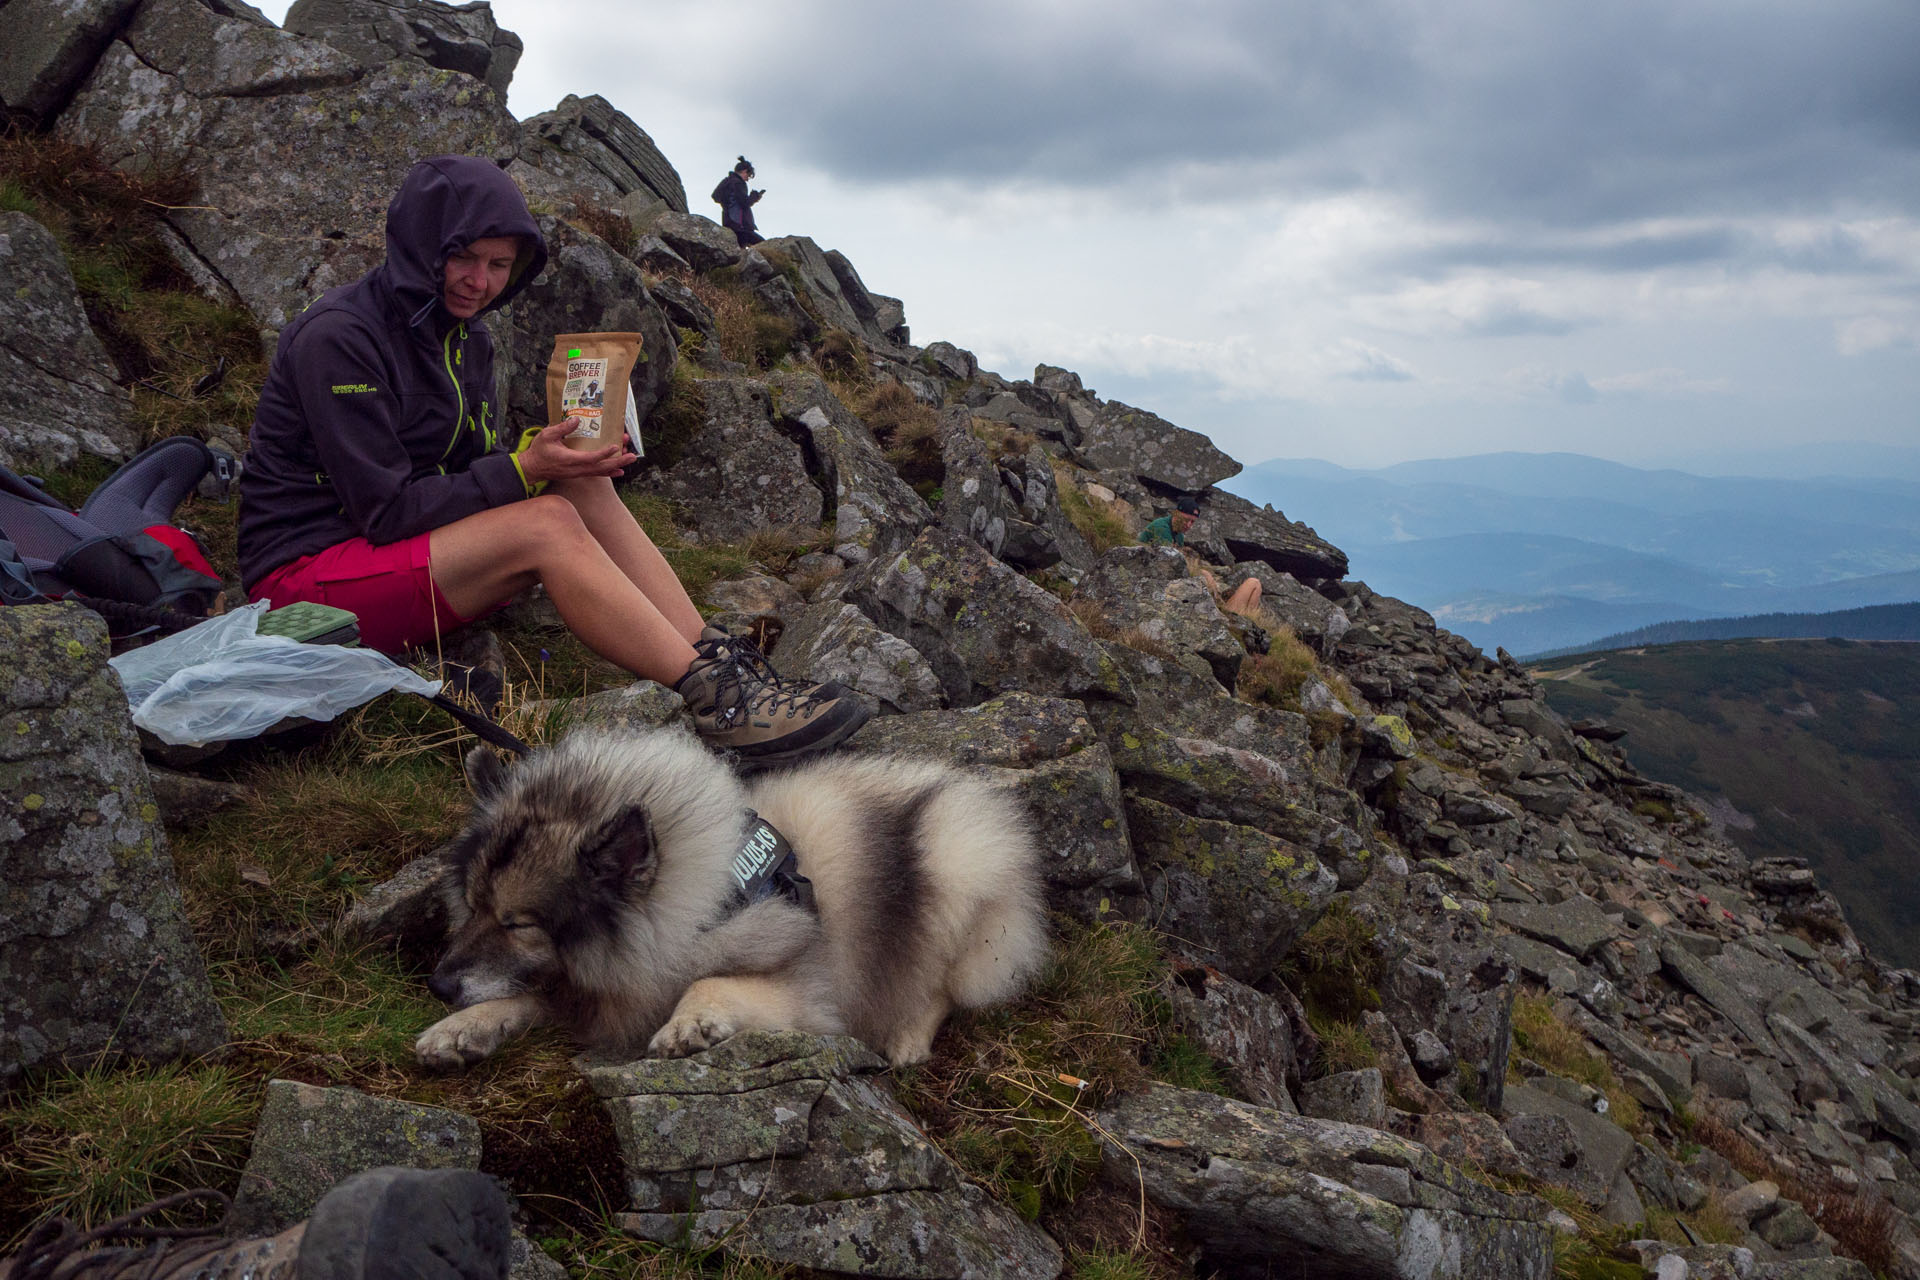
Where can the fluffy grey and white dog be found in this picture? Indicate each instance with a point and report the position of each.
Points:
(594, 889)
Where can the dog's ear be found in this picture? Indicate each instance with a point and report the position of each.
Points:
(621, 855)
(485, 773)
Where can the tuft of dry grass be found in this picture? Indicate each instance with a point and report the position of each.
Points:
(94, 1144)
(610, 225)
(908, 432)
(1336, 967)
(1010, 1092)
(1102, 529)
(749, 334)
(1542, 1035)
(1276, 677)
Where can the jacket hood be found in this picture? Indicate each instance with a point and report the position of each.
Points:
(447, 202)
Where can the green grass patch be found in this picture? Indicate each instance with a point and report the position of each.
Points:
(1095, 522)
(1008, 1091)
(1539, 1032)
(1276, 677)
(95, 1144)
(1336, 967)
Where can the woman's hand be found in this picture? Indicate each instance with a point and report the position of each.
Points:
(547, 456)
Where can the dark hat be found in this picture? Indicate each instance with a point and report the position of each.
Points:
(1190, 506)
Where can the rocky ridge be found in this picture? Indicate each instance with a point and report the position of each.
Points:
(1566, 986)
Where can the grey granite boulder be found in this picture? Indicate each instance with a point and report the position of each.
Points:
(1565, 1141)
(1127, 441)
(1576, 926)
(310, 1137)
(1232, 529)
(875, 513)
(821, 280)
(591, 144)
(1148, 592)
(586, 288)
(703, 243)
(737, 452)
(255, 113)
(451, 37)
(1238, 896)
(1266, 1194)
(95, 953)
(792, 1149)
(1259, 1040)
(1352, 1097)
(972, 502)
(833, 640)
(51, 46)
(982, 627)
(1038, 531)
(58, 397)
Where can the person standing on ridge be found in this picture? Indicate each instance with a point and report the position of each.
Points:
(736, 204)
(380, 478)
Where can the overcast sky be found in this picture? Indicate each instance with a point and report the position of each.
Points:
(1361, 230)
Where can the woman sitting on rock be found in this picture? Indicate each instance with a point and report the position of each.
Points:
(380, 478)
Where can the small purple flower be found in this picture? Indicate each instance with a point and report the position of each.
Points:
(545, 656)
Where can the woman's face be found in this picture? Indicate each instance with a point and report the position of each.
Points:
(477, 273)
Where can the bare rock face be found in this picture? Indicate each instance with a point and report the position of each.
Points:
(297, 149)
(1147, 591)
(590, 143)
(833, 640)
(451, 37)
(739, 473)
(1132, 442)
(792, 1149)
(311, 1137)
(1266, 1193)
(1231, 528)
(982, 627)
(58, 398)
(875, 513)
(94, 948)
(51, 46)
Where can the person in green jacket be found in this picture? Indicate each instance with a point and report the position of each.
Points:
(1170, 530)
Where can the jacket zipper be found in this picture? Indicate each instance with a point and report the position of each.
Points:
(459, 392)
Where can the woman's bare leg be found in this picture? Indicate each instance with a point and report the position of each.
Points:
(1245, 598)
(492, 555)
(628, 546)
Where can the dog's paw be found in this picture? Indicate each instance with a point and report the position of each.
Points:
(456, 1041)
(688, 1033)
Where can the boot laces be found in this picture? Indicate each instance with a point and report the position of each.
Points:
(744, 681)
(53, 1245)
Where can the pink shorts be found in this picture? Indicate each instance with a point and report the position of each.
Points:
(390, 589)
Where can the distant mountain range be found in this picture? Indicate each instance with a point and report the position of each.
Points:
(1537, 552)
(1806, 748)
(1879, 622)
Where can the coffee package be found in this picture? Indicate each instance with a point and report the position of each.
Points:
(587, 380)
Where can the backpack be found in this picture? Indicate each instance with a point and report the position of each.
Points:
(121, 546)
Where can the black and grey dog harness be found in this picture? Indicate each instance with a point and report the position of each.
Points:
(766, 865)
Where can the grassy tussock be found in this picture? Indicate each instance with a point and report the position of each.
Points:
(1004, 440)
(908, 432)
(1010, 1092)
(1539, 1032)
(749, 334)
(161, 333)
(1096, 522)
(1344, 1045)
(1336, 967)
(94, 1144)
(1276, 677)
(317, 827)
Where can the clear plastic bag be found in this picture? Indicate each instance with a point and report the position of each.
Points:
(220, 680)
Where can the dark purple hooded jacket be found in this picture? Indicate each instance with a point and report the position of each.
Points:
(378, 417)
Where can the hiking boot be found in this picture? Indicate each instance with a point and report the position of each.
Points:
(385, 1224)
(741, 704)
(756, 663)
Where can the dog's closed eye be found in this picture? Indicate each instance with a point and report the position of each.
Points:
(519, 923)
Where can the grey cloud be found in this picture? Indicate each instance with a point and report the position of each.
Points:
(1558, 113)
(1372, 365)
(1575, 389)
(1521, 322)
